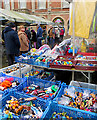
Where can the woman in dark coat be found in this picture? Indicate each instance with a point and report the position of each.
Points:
(34, 38)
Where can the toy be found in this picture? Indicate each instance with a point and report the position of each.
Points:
(12, 69)
(31, 73)
(8, 82)
(22, 108)
(61, 116)
(41, 92)
(85, 100)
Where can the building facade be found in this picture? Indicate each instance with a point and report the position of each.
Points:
(54, 10)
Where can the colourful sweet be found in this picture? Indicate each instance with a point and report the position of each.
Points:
(58, 62)
(85, 64)
(87, 58)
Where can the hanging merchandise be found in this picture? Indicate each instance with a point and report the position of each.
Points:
(83, 18)
(94, 23)
(83, 45)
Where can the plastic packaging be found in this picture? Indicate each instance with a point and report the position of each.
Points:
(64, 100)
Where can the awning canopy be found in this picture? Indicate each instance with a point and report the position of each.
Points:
(22, 17)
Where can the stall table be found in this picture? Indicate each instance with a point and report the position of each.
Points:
(72, 70)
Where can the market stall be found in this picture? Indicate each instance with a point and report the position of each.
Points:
(36, 96)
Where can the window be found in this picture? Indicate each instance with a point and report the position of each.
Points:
(22, 4)
(0, 4)
(65, 4)
(42, 4)
(12, 4)
(7, 4)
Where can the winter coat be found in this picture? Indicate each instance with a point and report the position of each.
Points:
(39, 32)
(62, 32)
(44, 34)
(51, 32)
(24, 45)
(12, 43)
(28, 34)
(34, 38)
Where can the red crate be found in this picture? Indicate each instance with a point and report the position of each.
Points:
(87, 54)
(67, 57)
(86, 67)
(52, 65)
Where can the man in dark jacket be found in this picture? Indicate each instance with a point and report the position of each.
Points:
(28, 33)
(12, 43)
(39, 36)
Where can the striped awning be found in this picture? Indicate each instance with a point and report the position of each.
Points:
(22, 17)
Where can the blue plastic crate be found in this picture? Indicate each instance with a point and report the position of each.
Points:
(42, 64)
(31, 61)
(40, 72)
(38, 102)
(78, 89)
(71, 112)
(20, 80)
(21, 60)
(41, 83)
(48, 78)
(23, 75)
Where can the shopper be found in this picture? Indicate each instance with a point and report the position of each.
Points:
(28, 33)
(44, 34)
(62, 34)
(24, 42)
(12, 43)
(39, 36)
(57, 35)
(34, 38)
(51, 34)
(64, 31)
(3, 40)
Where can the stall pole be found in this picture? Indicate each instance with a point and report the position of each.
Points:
(89, 81)
(73, 6)
(72, 75)
(20, 70)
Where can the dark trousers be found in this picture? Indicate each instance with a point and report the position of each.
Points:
(23, 52)
(61, 36)
(39, 42)
(52, 42)
(10, 58)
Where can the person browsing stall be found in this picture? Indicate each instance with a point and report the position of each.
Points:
(24, 42)
(12, 43)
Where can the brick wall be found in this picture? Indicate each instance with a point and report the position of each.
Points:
(54, 11)
(55, 3)
(16, 5)
(29, 4)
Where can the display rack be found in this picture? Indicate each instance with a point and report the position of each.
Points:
(72, 70)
